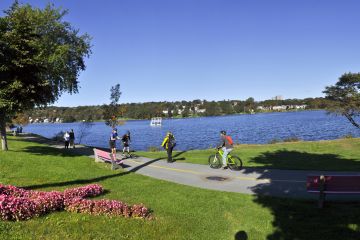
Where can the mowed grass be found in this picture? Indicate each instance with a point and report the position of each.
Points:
(180, 212)
(335, 155)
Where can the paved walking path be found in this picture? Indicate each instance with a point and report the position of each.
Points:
(272, 182)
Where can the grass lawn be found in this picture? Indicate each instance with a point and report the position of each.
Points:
(337, 155)
(180, 212)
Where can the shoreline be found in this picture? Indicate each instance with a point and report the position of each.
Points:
(54, 142)
(191, 117)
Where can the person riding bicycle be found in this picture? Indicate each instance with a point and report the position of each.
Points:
(226, 145)
(126, 142)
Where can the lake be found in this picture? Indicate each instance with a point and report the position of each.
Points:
(203, 132)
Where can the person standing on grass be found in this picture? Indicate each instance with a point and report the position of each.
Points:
(72, 138)
(112, 142)
(169, 144)
(67, 139)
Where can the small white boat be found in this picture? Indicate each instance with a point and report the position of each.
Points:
(156, 121)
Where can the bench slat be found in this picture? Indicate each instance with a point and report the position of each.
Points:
(105, 156)
(335, 184)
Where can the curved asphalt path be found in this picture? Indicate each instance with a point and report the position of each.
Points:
(271, 182)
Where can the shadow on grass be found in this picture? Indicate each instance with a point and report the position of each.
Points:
(301, 219)
(29, 137)
(53, 148)
(241, 235)
(91, 180)
(284, 159)
(51, 151)
(179, 153)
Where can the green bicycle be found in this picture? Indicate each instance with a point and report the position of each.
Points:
(233, 161)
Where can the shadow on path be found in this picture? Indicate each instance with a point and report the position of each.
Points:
(300, 219)
(177, 155)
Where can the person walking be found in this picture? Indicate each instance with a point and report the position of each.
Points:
(112, 142)
(169, 144)
(227, 145)
(126, 142)
(67, 139)
(72, 138)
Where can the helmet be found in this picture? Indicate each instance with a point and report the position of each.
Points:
(223, 132)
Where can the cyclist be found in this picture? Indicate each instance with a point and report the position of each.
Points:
(226, 145)
(112, 142)
(126, 142)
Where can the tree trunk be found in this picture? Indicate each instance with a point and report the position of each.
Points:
(351, 120)
(4, 146)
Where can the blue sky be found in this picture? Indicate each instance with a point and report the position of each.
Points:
(167, 50)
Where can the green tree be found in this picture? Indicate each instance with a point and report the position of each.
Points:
(212, 108)
(239, 106)
(344, 97)
(41, 57)
(250, 104)
(226, 107)
(21, 119)
(185, 113)
(113, 111)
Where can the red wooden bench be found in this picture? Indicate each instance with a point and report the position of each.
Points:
(102, 156)
(333, 184)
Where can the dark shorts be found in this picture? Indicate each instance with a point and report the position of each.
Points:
(126, 144)
(112, 144)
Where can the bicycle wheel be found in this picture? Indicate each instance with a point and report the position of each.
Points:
(235, 163)
(215, 161)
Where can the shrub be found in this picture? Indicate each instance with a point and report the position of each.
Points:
(292, 139)
(273, 141)
(83, 192)
(20, 204)
(348, 136)
(153, 149)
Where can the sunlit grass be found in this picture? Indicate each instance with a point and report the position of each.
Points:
(180, 212)
(340, 155)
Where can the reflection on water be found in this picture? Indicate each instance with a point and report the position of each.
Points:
(201, 133)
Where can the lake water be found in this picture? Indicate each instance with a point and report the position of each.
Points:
(202, 133)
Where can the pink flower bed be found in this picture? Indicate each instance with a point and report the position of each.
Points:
(20, 204)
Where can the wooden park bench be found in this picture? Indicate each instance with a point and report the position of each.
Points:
(102, 156)
(333, 184)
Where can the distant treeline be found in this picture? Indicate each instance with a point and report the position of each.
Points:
(175, 109)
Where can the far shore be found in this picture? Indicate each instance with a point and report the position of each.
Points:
(190, 117)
